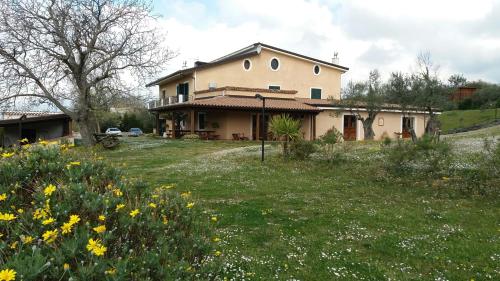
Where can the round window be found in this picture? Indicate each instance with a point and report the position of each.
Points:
(275, 64)
(247, 64)
(317, 69)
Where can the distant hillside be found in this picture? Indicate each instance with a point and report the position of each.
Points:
(459, 119)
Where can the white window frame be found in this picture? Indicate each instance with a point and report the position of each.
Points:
(279, 64)
(243, 64)
(273, 85)
(198, 120)
(310, 92)
(319, 72)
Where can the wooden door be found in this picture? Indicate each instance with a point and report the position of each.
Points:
(408, 121)
(349, 127)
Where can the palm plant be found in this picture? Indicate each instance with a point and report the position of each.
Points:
(286, 129)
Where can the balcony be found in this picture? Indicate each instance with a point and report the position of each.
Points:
(167, 101)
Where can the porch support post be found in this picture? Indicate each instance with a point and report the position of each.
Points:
(191, 117)
(313, 135)
(257, 127)
(173, 125)
(157, 121)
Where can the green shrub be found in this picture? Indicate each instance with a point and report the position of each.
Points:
(286, 129)
(480, 174)
(425, 158)
(302, 149)
(191, 137)
(67, 217)
(330, 145)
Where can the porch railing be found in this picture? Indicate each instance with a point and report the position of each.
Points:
(167, 101)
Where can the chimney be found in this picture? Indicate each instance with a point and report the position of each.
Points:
(184, 64)
(335, 59)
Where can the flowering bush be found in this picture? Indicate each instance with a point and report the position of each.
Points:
(63, 218)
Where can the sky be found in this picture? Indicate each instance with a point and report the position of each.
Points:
(462, 37)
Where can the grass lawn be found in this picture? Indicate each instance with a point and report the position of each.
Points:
(311, 221)
(466, 118)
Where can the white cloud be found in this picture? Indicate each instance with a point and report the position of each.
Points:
(462, 36)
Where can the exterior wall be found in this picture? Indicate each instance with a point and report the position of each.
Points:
(171, 88)
(293, 74)
(44, 130)
(230, 122)
(392, 123)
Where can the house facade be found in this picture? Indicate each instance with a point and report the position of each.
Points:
(217, 99)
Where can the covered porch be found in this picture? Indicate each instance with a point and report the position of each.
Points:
(230, 118)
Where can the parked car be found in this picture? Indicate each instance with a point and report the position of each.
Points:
(135, 132)
(113, 131)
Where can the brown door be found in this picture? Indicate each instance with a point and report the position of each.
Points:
(349, 127)
(408, 121)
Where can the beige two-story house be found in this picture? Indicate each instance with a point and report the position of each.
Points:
(217, 99)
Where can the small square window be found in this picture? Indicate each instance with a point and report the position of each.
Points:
(315, 93)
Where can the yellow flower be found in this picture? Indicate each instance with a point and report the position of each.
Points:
(190, 205)
(217, 253)
(13, 245)
(7, 275)
(102, 218)
(25, 140)
(120, 206)
(50, 236)
(49, 190)
(134, 213)
(95, 247)
(186, 194)
(48, 221)
(43, 142)
(117, 192)
(446, 178)
(110, 271)
(216, 239)
(167, 186)
(214, 218)
(26, 239)
(7, 155)
(165, 219)
(66, 228)
(7, 217)
(3, 197)
(75, 163)
(152, 205)
(74, 219)
(39, 213)
(100, 228)
(66, 267)
(20, 211)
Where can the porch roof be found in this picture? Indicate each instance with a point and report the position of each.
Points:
(242, 103)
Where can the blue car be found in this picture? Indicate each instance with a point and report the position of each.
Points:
(135, 132)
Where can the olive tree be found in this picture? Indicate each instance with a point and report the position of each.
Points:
(75, 54)
(368, 96)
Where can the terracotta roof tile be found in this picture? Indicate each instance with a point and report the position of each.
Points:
(232, 102)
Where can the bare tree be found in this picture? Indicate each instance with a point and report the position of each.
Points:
(77, 54)
(431, 94)
(367, 95)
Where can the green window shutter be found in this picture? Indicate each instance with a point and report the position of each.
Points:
(315, 93)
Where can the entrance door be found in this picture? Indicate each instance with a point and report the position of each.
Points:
(255, 126)
(349, 127)
(410, 124)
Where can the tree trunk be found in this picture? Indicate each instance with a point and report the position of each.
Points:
(87, 130)
(369, 134)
